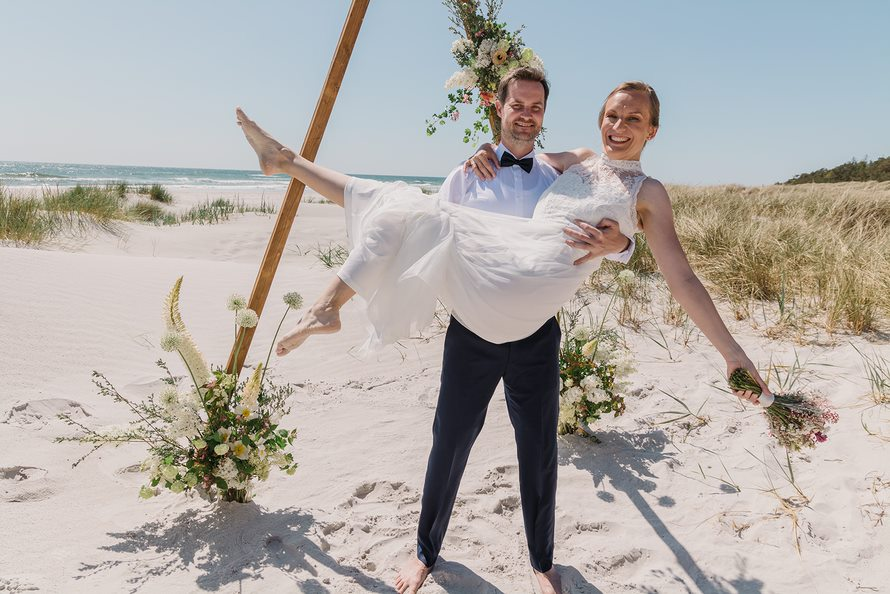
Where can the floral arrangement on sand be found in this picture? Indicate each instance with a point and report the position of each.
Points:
(485, 51)
(593, 367)
(208, 432)
(797, 420)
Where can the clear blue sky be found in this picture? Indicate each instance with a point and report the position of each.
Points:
(752, 91)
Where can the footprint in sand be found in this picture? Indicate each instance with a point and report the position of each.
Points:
(14, 584)
(23, 483)
(43, 411)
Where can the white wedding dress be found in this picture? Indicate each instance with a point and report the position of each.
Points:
(502, 276)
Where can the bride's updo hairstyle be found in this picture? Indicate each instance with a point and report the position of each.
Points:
(636, 85)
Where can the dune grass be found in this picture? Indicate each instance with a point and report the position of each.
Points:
(821, 248)
(35, 219)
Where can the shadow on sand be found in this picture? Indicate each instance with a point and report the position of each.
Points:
(625, 461)
(229, 543)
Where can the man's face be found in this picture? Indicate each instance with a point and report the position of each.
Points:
(522, 113)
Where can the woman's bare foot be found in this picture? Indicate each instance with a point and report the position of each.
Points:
(272, 154)
(411, 576)
(317, 320)
(549, 582)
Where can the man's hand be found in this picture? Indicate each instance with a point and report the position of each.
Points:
(605, 238)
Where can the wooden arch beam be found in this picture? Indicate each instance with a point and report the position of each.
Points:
(295, 189)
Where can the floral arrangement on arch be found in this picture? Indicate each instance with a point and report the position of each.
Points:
(207, 432)
(593, 367)
(485, 51)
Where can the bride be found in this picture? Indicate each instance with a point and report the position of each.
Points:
(502, 275)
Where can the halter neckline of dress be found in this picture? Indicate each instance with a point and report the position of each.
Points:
(626, 165)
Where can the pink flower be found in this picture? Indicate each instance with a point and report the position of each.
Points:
(455, 115)
(820, 437)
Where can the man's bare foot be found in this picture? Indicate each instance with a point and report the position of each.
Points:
(272, 154)
(549, 582)
(411, 576)
(317, 320)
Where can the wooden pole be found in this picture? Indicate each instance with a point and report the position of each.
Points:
(295, 189)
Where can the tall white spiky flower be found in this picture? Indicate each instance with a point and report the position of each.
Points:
(186, 347)
(251, 391)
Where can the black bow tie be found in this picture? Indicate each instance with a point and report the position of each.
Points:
(508, 160)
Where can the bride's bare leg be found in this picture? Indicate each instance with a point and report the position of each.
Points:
(276, 158)
(323, 317)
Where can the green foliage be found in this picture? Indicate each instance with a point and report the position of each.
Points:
(150, 212)
(865, 170)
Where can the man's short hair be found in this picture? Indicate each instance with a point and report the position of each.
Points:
(523, 73)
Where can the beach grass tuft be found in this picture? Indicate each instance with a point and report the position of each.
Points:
(156, 192)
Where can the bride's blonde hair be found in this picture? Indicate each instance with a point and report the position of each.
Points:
(636, 85)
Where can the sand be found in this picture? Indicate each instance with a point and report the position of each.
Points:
(650, 509)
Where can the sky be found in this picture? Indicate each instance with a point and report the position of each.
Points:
(752, 92)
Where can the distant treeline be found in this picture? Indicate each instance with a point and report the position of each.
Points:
(865, 170)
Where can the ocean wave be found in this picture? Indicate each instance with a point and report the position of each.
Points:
(31, 175)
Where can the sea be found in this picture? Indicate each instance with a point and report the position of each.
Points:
(65, 175)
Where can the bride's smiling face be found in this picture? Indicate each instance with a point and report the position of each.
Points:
(626, 125)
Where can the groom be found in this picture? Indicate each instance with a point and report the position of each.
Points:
(473, 367)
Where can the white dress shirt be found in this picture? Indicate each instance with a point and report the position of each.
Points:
(512, 191)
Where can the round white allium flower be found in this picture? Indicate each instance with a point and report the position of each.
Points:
(221, 449)
(169, 398)
(171, 341)
(236, 302)
(240, 450)
(626, 276)
(246, 318)
(293, 300)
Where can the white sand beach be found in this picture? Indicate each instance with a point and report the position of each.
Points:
(651, 509)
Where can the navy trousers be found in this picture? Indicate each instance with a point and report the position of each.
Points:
(471, 370)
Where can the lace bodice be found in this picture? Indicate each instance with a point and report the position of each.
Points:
(595, 189)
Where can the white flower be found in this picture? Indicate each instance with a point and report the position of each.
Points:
(293, 300)
(171, 341)
(590, 382)
(245, 413)
(462, 79)
(199, 444)
(246, 318)
(573, 395)
(236, 302)
(252, 388)
(170, 399)
(177, 487)
(569, 382)
(190, 479)
(224, 433)
(147, 492)
(461, 46)
(588, 348)
(626, 276)
(240, 450)
(483, 55)
(228, 382)
(221, 449)
(187, 348)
